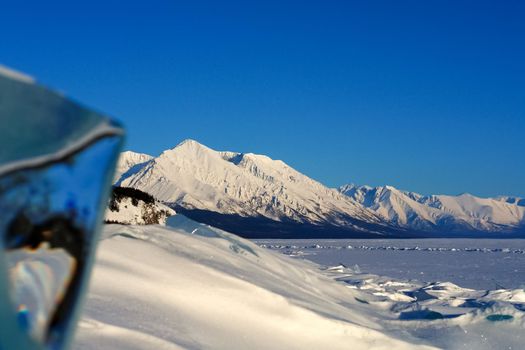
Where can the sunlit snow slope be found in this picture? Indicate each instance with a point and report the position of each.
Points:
(201, 288)
(129, 163)
(196, 287)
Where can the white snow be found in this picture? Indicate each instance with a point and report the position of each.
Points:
(512, 200)
(130, 163)
(196, 287)
(464, 212)
(195, 176)
(469, 262)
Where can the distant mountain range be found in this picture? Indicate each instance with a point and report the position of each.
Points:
(439, 213)
(256, 196)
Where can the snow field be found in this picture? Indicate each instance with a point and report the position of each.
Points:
(198, 287)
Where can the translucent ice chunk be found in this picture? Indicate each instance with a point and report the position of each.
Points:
(57, 160)
(39, 279)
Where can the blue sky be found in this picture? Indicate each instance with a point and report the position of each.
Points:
(427, 96)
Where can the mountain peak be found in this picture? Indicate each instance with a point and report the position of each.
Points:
(131, 154)
(188, 146)
(465, 194)
(190, 143)
(130, 163)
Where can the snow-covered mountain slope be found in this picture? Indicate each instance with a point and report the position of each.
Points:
(129, 163)
(438, 212)
(249, 193)
(194, 176)
(130, 206)
(511, 200)
(195, 287)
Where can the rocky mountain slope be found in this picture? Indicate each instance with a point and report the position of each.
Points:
(130, 206)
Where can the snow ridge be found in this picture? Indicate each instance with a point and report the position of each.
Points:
(438, 212)
(130, 163)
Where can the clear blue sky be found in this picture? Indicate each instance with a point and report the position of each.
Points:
(427, 96)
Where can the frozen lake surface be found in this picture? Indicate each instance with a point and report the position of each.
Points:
(482, 264)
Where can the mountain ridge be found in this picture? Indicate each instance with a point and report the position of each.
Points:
(410, 209)
(223, 186)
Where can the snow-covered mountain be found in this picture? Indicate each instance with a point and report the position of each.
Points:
(511, 200)
(254, 194)
(235, 187)
(129, 163)
(439, 212)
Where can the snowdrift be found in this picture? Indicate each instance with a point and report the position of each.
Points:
(195, 287)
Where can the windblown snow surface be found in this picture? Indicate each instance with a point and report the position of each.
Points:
(195, 287)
